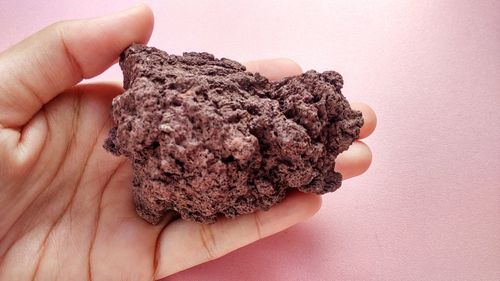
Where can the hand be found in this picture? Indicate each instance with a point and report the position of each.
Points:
(66, 210)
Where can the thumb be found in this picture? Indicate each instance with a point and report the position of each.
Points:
(37, 69)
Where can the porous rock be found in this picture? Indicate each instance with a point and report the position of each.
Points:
(207, 138)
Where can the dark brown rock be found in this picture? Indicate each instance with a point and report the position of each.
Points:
(207, 138)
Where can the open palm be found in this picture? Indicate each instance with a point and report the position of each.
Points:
(66, 208)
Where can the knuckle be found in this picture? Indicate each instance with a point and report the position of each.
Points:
(209, 243)
(59, 25)
(258, 225)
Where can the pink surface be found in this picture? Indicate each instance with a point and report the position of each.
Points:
(429, 208)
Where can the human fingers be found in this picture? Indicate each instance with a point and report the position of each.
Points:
(357, 159)
(274, 69)
(185, 244)
(354, 161)
(39, 68)
(369, 117)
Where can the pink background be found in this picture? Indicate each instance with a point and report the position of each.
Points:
(429, 208)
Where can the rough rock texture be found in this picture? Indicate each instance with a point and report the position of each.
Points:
(207, 138)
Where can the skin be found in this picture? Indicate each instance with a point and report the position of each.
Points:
(66, 210)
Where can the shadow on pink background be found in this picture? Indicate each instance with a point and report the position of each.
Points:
(429, 208)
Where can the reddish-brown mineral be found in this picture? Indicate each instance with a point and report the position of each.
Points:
(207, 138)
